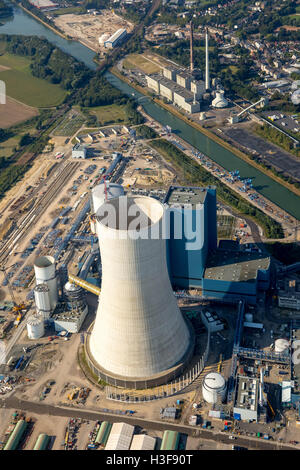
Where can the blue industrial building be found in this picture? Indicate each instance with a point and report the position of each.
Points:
(230, 271)
(193, 233)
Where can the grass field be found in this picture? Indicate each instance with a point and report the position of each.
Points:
(65, 11)
(140, 61)
(111, 114)
(23, 87)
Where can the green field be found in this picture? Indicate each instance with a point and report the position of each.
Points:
(23, 87)
(111, 114)
(67, 11)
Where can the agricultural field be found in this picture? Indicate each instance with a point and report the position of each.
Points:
(23, 87)
(70, 125)
(111, 114)
(226, 226)
(14, 112)
(140, 61)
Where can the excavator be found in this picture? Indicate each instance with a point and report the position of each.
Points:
(17, 306)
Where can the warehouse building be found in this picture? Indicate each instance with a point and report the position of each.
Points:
(120, 437)
(192, 210)
(246, 399)
(79, 151)
(115, 39)
(143, 442)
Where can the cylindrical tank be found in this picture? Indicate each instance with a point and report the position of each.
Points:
(98, 196)
(44, 268)
(139, 331)
(42, 300)
(214, 386)
(74, 294)
(249, 317)
(35, 326)
(281, 345)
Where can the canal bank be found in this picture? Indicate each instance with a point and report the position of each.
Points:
(263, 184)
(208, 133)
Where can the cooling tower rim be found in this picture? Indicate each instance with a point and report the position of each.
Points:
(139, 382)
(158, 211)
(44, 261)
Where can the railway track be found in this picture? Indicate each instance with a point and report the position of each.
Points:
(40, 206)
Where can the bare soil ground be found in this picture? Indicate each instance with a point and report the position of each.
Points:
(14, 112)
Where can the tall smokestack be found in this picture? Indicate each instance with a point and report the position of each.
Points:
(207, 81)
(191, 47)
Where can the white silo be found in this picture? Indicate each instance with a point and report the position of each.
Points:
(214, 386)
(281, 345)
(139, 336)
(42, 300)
(44, 268)
(98, 197)
(35, 326)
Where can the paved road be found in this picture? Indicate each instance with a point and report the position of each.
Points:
(41, 408)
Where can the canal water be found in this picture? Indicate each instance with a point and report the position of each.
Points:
(22, 23)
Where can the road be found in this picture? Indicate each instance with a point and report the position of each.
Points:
(51, 410)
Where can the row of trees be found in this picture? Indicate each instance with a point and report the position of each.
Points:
(193, 173)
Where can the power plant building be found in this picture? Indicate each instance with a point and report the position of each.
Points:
(139, 338)
(179, 87)
(246, 399)
(193, 233)
(236, 275)
(228, 271)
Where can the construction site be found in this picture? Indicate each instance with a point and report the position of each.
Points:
(93, 29)
(233, 375)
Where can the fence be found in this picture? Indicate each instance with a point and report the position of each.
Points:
(163, 391)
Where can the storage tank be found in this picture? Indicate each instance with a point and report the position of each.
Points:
(35, 326)
(139, 335)
(214, 386)
(42, 300)
(44, 268)
(281, 345)
(98, 194)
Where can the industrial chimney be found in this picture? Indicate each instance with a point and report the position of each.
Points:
(139, 338)
(207, 79)
(191, 47)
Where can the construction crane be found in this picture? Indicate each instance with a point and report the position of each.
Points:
(17, 307)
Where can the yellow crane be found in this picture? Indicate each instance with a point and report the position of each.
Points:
(17, 306)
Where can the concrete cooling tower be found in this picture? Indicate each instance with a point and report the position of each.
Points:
(139, 338)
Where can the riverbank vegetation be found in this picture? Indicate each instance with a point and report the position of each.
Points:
(190, 172)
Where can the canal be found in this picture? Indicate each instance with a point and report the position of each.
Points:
(22, 23)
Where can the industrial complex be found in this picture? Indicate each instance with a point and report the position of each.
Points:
(157, 296)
